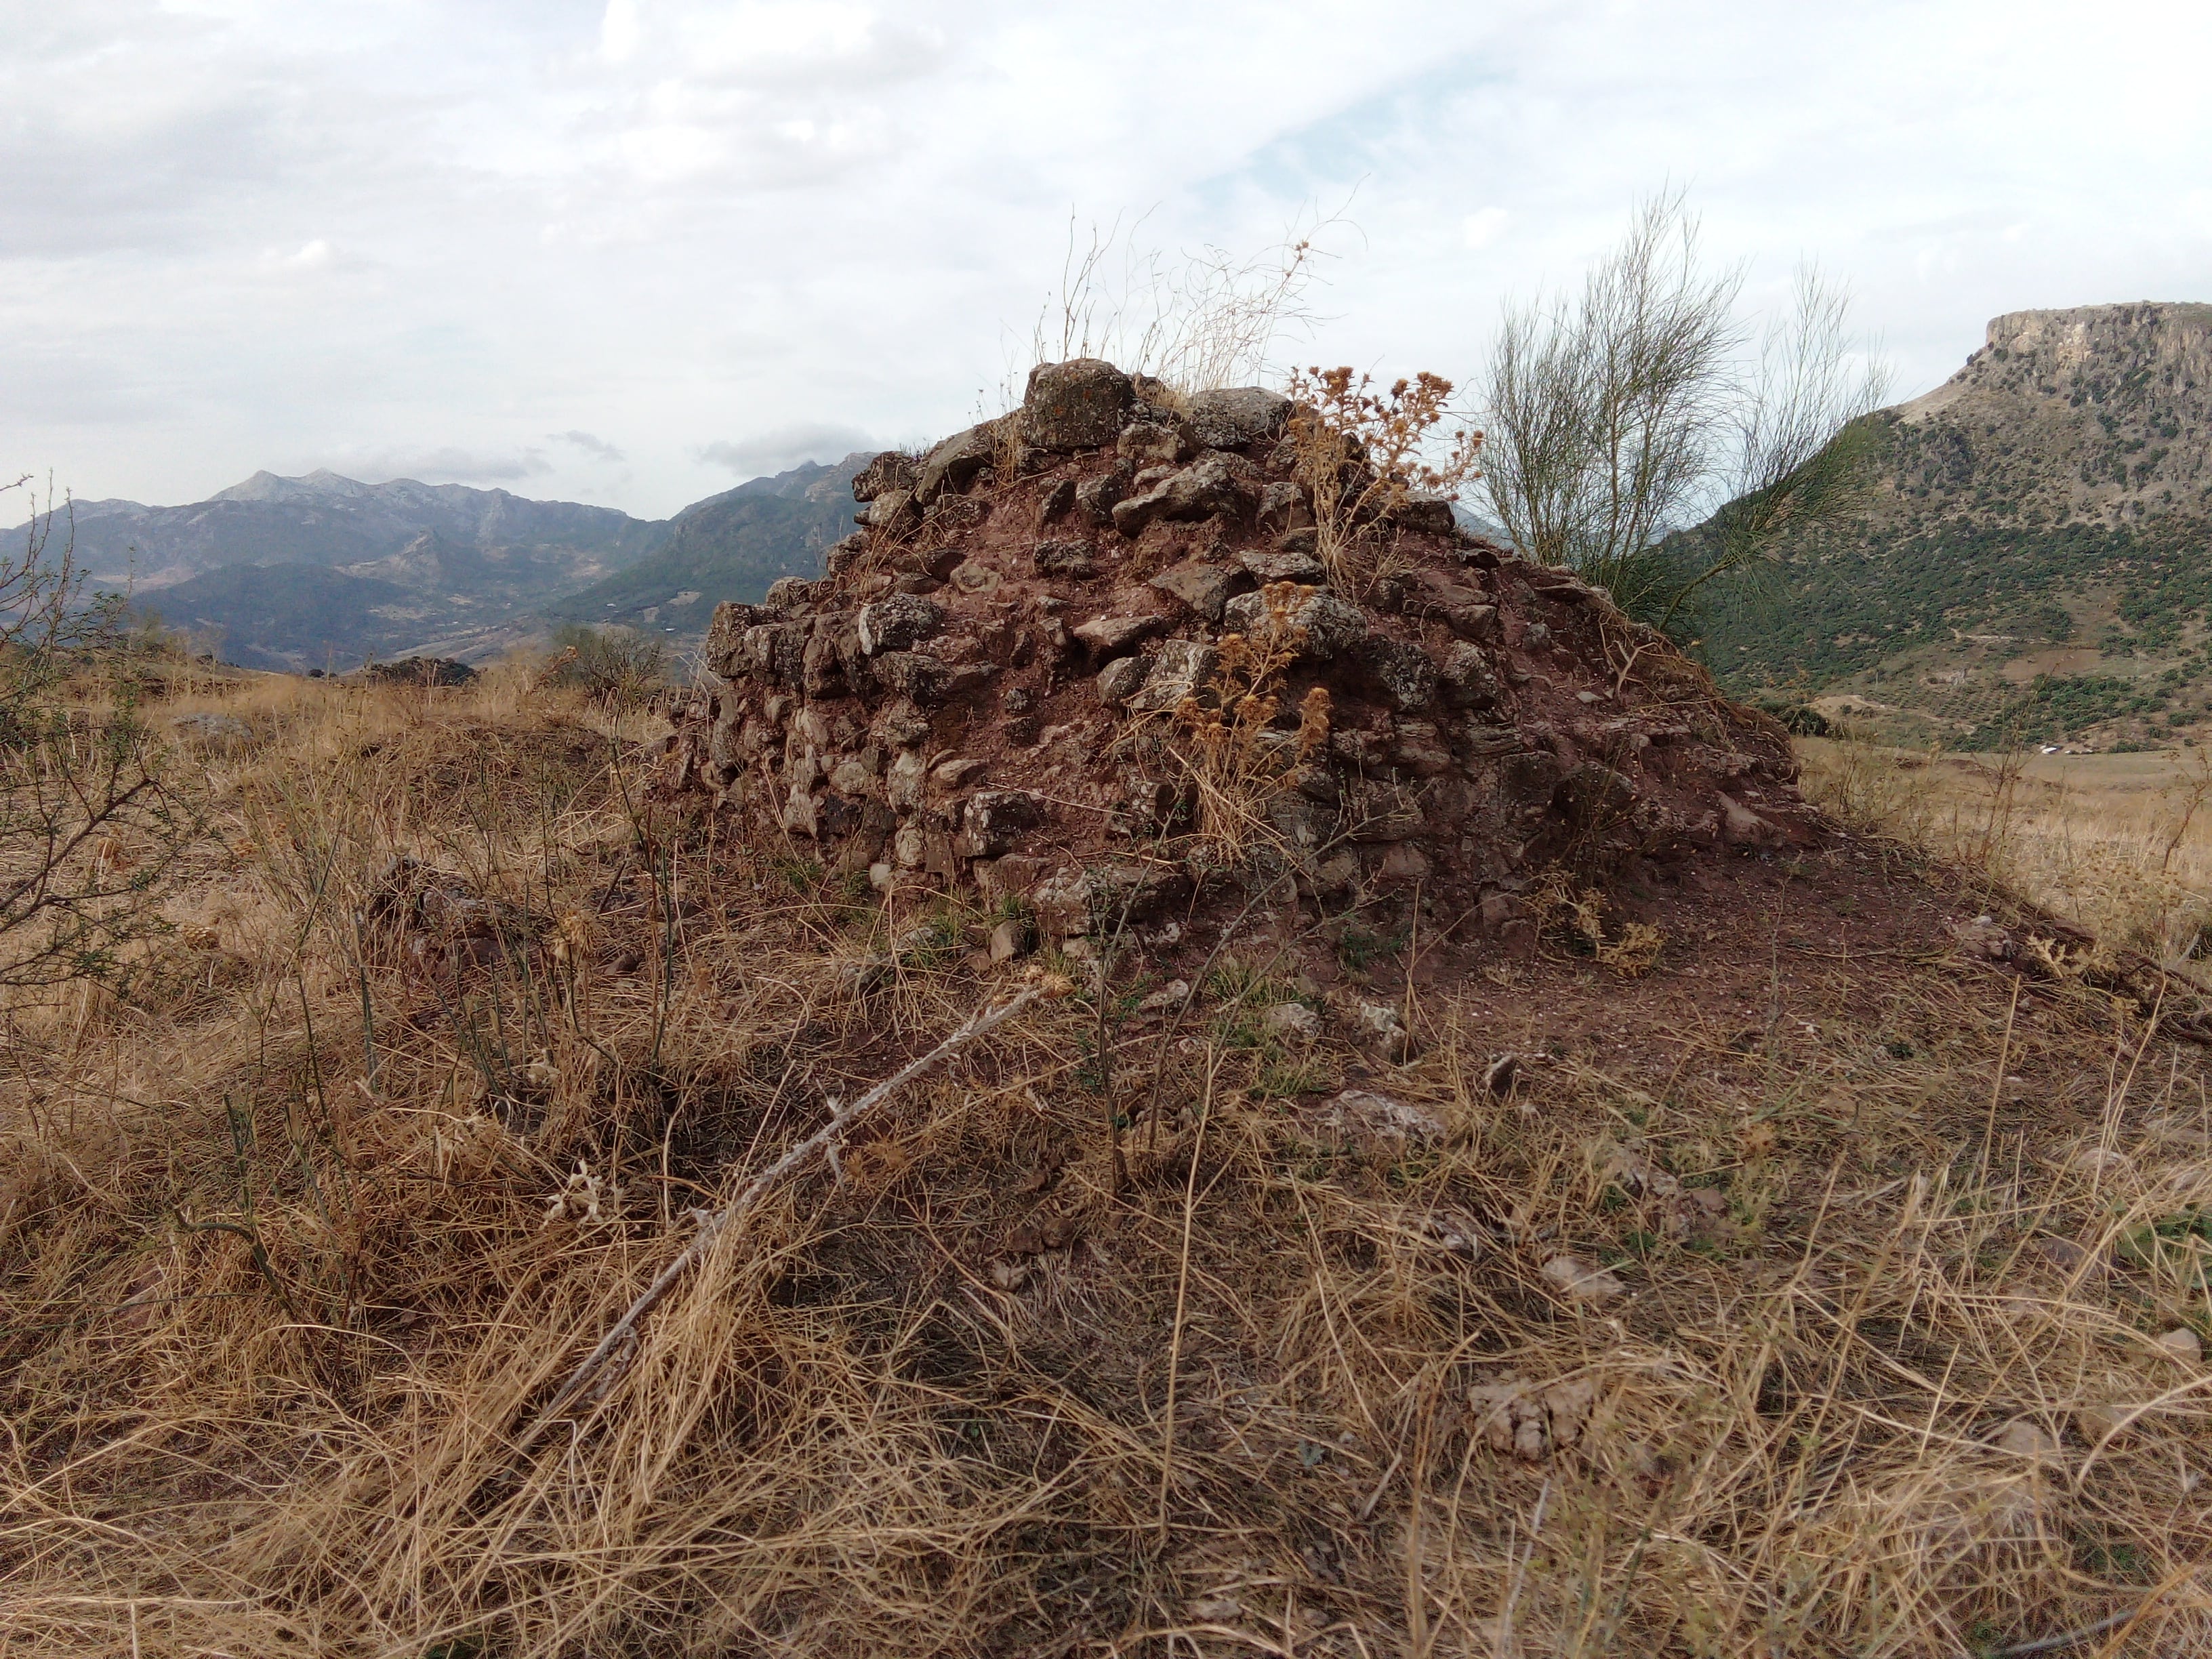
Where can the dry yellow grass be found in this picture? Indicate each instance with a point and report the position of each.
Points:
(2120, 845)
(292, 1246)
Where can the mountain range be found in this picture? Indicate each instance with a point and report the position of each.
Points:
(2033, 561)
(325, 571)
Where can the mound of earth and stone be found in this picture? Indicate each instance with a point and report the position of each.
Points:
(1007, 679)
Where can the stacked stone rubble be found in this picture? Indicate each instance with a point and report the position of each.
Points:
(985, 686)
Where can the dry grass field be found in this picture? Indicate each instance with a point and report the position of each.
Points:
(2119, 844)
(1808, 1288)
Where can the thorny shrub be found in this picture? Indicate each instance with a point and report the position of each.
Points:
(618, 668)
(1237, 757)
(1362, 452)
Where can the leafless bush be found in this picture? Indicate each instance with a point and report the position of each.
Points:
(91, 822)
(1629, 414)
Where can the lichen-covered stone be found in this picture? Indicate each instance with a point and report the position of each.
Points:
(1235, 416)
(898, 621)
(910, 674)
(1212, 485)
(1328, 625)
(993, 820)
(1078, 405)
(1405, 673)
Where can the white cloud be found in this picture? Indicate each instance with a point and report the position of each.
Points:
(1479, 230)
(591, 443)
(676, 219)
(445, 463)
(783, 448)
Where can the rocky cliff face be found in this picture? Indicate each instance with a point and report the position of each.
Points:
(1090, 660)
(2102, 414)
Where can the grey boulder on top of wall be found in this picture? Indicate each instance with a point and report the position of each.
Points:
(1082, 403)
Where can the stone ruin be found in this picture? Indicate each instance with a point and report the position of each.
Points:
(1006, 681)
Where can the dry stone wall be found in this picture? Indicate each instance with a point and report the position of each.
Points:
(1001, 679)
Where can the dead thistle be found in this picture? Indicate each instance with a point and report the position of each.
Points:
(1363, 452)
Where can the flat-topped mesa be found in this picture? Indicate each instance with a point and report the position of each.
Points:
(1091, 655)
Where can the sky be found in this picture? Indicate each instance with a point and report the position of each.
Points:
(632, 252)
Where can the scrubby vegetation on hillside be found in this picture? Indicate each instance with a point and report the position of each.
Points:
(2036, 501)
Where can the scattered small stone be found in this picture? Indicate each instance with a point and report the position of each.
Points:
(1363, 1110)
(2183, 1344)
(960, 769)
(1293, 1022)
(1580, 1282)
(1010, 939)
(2023, 1437)
(1168, 998)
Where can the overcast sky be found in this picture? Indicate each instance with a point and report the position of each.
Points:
(633, 251)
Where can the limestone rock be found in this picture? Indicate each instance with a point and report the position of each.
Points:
(1204, 587)
(1285, 505)
(1106, 894)
(1235, 416)
(910, 674)
(1122, 678)
(1056, 502)
(894, 511)
(1096, 498)
(1432, 515)
(1406, 673)
(1467, 680)
(1183, 668)
(1078, 405)
(898, 621)
(953, 465)
(2183, 1344)
(892, 469)
(1214, 484)
(1154, 443)
(1294, 565)
(1329, 625)
(1108, 636)
(993, 820)
(1578, 1281)
(1362, 1111)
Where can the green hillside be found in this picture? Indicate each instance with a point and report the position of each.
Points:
(729, 546)
(2035, 563)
